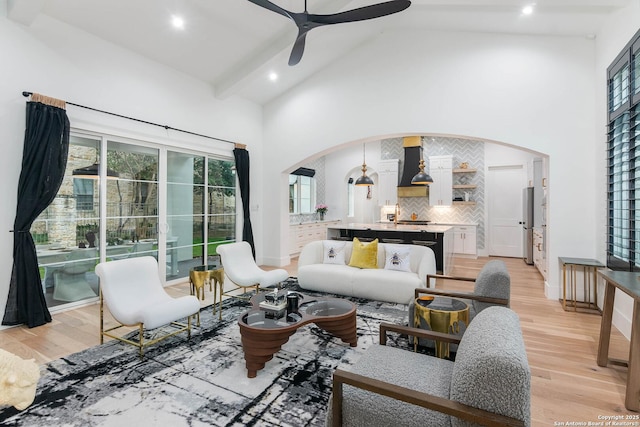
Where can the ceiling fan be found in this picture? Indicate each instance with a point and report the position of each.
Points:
(306, 21)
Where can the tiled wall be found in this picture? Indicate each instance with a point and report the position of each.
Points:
(462, 150)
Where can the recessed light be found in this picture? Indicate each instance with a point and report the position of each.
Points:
(527, 10)
(177, 22)
(273, 76)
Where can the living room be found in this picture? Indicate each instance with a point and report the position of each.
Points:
(541, 93)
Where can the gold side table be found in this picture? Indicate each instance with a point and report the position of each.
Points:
(589, 282)
(443, 314)
(213, 274)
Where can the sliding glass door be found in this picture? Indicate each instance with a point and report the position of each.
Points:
(185, 213)
(66, 233)
(131, 216)
(198, 212)
(172, 204)
(221, 203)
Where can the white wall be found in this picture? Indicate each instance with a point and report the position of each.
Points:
(59, 61)
(527, 91)
(345, 163)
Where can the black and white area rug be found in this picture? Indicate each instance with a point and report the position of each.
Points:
(203, 381)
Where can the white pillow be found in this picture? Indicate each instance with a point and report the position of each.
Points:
(333, 252)
(397, 257)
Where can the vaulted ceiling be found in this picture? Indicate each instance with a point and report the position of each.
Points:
(234, 45)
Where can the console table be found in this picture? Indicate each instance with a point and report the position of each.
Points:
(629, 283)
(589, 281)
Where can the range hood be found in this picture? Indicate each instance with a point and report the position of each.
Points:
(412, 154)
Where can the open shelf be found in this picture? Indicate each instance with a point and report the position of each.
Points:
(464, 203)
(464, 186)
(464, 170)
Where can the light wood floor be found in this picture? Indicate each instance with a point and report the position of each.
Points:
(567, 384)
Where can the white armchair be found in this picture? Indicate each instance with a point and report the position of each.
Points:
(133, 292)
(242, 270)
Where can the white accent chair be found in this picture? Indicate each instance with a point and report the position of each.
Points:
(133, 292)
(242, 270)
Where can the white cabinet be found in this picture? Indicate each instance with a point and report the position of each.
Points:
(464, 240)
(301, 234)
(441, 190)
(539, 259)
(388, 182)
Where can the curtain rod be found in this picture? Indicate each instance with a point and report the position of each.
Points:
(28, 94)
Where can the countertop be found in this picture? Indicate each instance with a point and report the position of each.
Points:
(317, 221)
(392, 227)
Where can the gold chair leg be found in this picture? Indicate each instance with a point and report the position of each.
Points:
(141, 340)
(101, 318)
(221, 284)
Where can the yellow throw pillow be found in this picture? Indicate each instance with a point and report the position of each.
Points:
(364, 255)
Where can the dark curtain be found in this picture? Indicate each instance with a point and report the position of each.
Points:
(44, 160)
(242, 169)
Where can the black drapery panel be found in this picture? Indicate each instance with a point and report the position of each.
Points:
(242, 169)
(44, 160)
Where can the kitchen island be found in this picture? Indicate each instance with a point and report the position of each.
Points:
(437, 237)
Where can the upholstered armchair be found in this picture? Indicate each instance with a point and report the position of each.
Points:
(133, 292)
(488, 384)
(242, 270)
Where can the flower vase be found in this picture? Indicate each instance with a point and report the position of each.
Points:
(321, 216)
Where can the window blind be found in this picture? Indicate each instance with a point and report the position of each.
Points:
(623, 159)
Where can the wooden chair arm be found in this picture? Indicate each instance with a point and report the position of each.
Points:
(425, 400)
(416, 332)
(444, 276)
(491, 300)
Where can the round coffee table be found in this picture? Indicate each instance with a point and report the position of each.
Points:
(442, 314)
(263, 332)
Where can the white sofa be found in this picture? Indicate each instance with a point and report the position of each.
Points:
(377, 284)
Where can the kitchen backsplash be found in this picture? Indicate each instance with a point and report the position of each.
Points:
(462, 150)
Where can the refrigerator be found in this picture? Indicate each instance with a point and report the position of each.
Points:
(527, 225)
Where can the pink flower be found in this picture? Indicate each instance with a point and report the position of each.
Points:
(321, 208)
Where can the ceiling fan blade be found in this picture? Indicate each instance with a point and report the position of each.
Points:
(298, 48)
(361, 13)
(272, 7)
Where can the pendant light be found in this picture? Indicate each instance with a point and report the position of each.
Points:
(364, 180)
(421, 178)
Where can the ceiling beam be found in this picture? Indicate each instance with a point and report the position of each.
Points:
(24, 12)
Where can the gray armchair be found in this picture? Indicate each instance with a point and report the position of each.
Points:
(488, 384)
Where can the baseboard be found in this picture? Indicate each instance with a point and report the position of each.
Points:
(622, 323)
(551, 292)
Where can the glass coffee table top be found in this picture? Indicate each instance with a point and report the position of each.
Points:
(323, 308)
(309, 307)
(267, 319)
